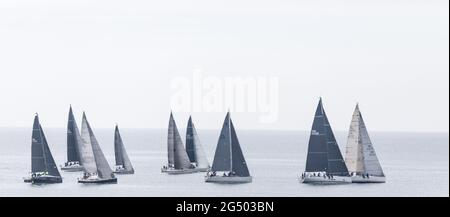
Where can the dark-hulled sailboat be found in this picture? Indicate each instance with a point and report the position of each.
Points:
(361, 159)
(194, 148)
(178, 160)
(73, 157)
(229, 164)
(43, 166)
(95, 166)
(123, 163)
(324, 163)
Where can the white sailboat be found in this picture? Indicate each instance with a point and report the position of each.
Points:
(95, 165)
(361, 159)
(229, 164)
(324, 163)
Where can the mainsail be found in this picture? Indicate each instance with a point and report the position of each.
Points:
(41, 157)
(229, 156)
(194, 147)
(323, 151)
(72, 131)
(92, 156)
(360, 155)
(121, 155)
(177, 154)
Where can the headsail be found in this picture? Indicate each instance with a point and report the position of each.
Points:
(42, 159)
(229, 156)
(103, 169)
(177, 154)
(360, 155)
(194, 147)
(121, 155)
(323, 151)
(72, 131)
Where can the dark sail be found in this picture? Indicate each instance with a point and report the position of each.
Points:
(42, 159)
(190, 143)
(228, 156)
(122, 158)
(323, 151)
(222, 157)
(72, 147)
(239, 166)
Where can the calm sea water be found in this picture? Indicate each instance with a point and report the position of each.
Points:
(416, 164)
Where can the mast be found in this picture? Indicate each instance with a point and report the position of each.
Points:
(231, 142)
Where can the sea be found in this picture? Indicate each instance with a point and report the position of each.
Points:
(416, 164)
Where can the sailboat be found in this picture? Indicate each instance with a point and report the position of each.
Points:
(73, 157)
(178, 160)
(123, 163)
(324, 163)
(229, 164)
(194, 148)
(95, 166)
(361, 158)
(43, 166)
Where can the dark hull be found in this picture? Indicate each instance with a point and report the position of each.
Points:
(44, 180)
(98, 181)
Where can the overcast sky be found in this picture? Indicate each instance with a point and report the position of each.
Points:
(117, 59)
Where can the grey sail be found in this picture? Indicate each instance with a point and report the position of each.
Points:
(229, 156)
(121, 155)
(222, 157)
(86, 150)
(194, 147)
(239, 165)
(324, 154)
(42, 159)
(103, 169)
(177, 154)
(361, 157)
(72, 131)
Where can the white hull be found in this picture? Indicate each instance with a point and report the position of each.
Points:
(371, 179)
(228, 179)
(172, 171)
(326, 181)
(73, 168)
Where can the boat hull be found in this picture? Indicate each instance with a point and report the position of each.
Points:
(75, 168)
(183, 171)
(228, 179)
(371, 179)
(336, 180)
(98, 181)
(124, 172)
(43, 180)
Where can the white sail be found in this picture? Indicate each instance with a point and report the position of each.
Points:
(86, 151)
(360, 154)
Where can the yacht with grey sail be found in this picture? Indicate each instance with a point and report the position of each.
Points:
(361, 159)
(73, 157)
(178, 159)
(229, 164)
(95, 166)
(194, 148)
(43, 166)
(324, 163)
(123, 163)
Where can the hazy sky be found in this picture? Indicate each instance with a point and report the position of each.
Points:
(117, 59)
